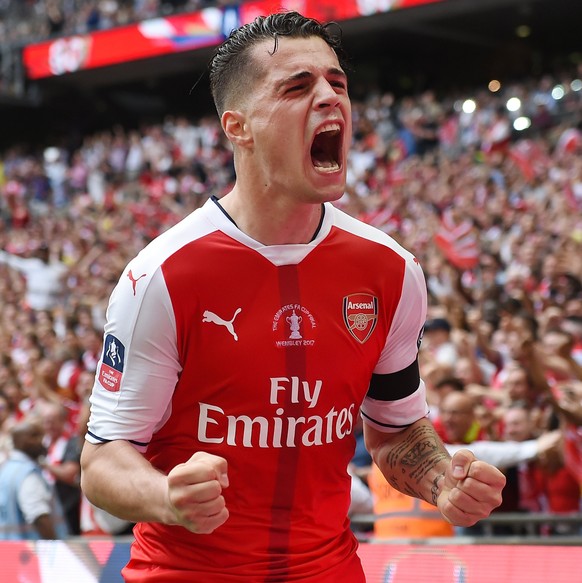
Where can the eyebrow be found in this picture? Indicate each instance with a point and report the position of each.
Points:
(334, 71)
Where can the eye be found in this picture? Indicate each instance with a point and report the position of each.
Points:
(295, 88)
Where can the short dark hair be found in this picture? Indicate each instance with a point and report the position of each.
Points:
(454, 382)
(231, 70)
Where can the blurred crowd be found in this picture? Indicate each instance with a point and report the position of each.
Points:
(29, 21)
(493, 214)
(25, 21)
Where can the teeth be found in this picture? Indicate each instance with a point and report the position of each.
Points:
(330, 127)
(327, 166)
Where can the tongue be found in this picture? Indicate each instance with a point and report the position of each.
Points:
(321, 157)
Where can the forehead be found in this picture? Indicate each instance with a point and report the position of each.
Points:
(457, 401)
(311, 54)
(516, 415)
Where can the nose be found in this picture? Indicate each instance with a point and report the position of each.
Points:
(325, 95)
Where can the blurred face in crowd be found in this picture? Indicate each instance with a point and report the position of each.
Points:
(517, 425)
(555, 340)
(54, 418)
(550, 267)
(464, 370)
(434, 338)
(457, 415)
(27, 436)
(12, 392)
(84, 385)
(516, 384)
(519, 342)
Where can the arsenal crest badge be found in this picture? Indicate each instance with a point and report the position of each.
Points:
(360, 313)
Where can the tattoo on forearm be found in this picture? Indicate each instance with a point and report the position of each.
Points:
(427, 465)
(416, 456)
(404, 449)
(419, 451)
(411, 492)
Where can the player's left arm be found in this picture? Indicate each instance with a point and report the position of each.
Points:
(415, 462)
(400, 437)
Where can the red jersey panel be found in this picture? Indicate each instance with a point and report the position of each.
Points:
(261, 355)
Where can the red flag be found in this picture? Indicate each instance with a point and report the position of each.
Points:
(529, 158)
(458, 242)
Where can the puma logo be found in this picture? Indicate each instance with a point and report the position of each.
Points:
(209, 316)
(134, 280)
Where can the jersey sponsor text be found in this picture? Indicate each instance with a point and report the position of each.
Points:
(216, 426)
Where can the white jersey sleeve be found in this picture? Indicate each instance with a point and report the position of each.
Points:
(139, 368)
(397, 395)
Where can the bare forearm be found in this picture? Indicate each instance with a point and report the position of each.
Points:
(413, 461)
(118, 479)
(67, 472)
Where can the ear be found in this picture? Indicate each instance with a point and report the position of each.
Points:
(235, 128)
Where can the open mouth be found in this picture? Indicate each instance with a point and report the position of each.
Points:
(326, 148)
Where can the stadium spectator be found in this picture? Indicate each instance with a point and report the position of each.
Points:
(566, 400)
(437, 342)
(28, 506)
(61, 465)
(545, 484)
(11, 389)
(439, 390)
(361, 461)
(515, 387)
(43, 275)
(400, 516)
(457, 419)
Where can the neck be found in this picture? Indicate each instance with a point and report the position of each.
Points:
(271, 222)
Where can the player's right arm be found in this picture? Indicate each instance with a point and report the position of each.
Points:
(118, 479)
(131, 398)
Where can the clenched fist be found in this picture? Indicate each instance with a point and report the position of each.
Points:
(469, 490)
(195, 492)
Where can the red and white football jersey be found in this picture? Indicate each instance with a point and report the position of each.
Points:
(262, 355)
